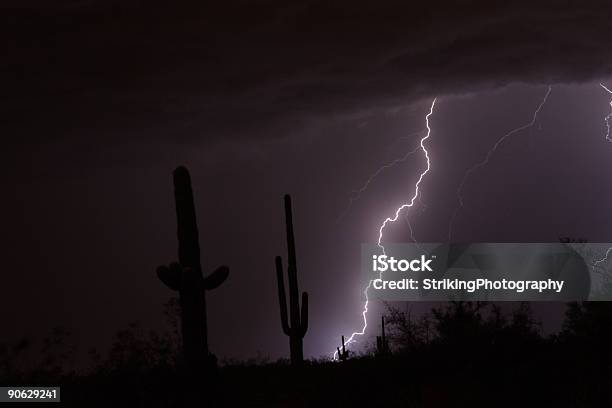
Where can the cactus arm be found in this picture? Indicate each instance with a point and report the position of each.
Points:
(282, 298)
(215, 279)
(170, 276)
(304, 317)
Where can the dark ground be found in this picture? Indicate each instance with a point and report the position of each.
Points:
(457, 355)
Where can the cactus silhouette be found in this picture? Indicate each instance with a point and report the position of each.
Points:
(342, 355)
(382, 346)
(186, 278)
(296, 324)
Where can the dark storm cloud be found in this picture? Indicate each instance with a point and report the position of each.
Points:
(195, 70)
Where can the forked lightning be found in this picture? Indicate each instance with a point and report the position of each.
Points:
(388, 220)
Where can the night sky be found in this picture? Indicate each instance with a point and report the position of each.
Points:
(101, 100)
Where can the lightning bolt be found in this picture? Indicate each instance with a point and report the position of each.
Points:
(416, 186)
(490, 153)
(393, 219)
(604, 273)
(604, 259)
(607, 118)
(407, 219)
(355, 195)
(416, 196)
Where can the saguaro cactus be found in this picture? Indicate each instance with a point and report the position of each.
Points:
(296, 325)
(342, 355)
(382, 346)
(186, 276)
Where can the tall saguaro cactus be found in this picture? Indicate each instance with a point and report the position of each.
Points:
(344, 354)
(382, 345)
(296, 324)
(186, 276)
